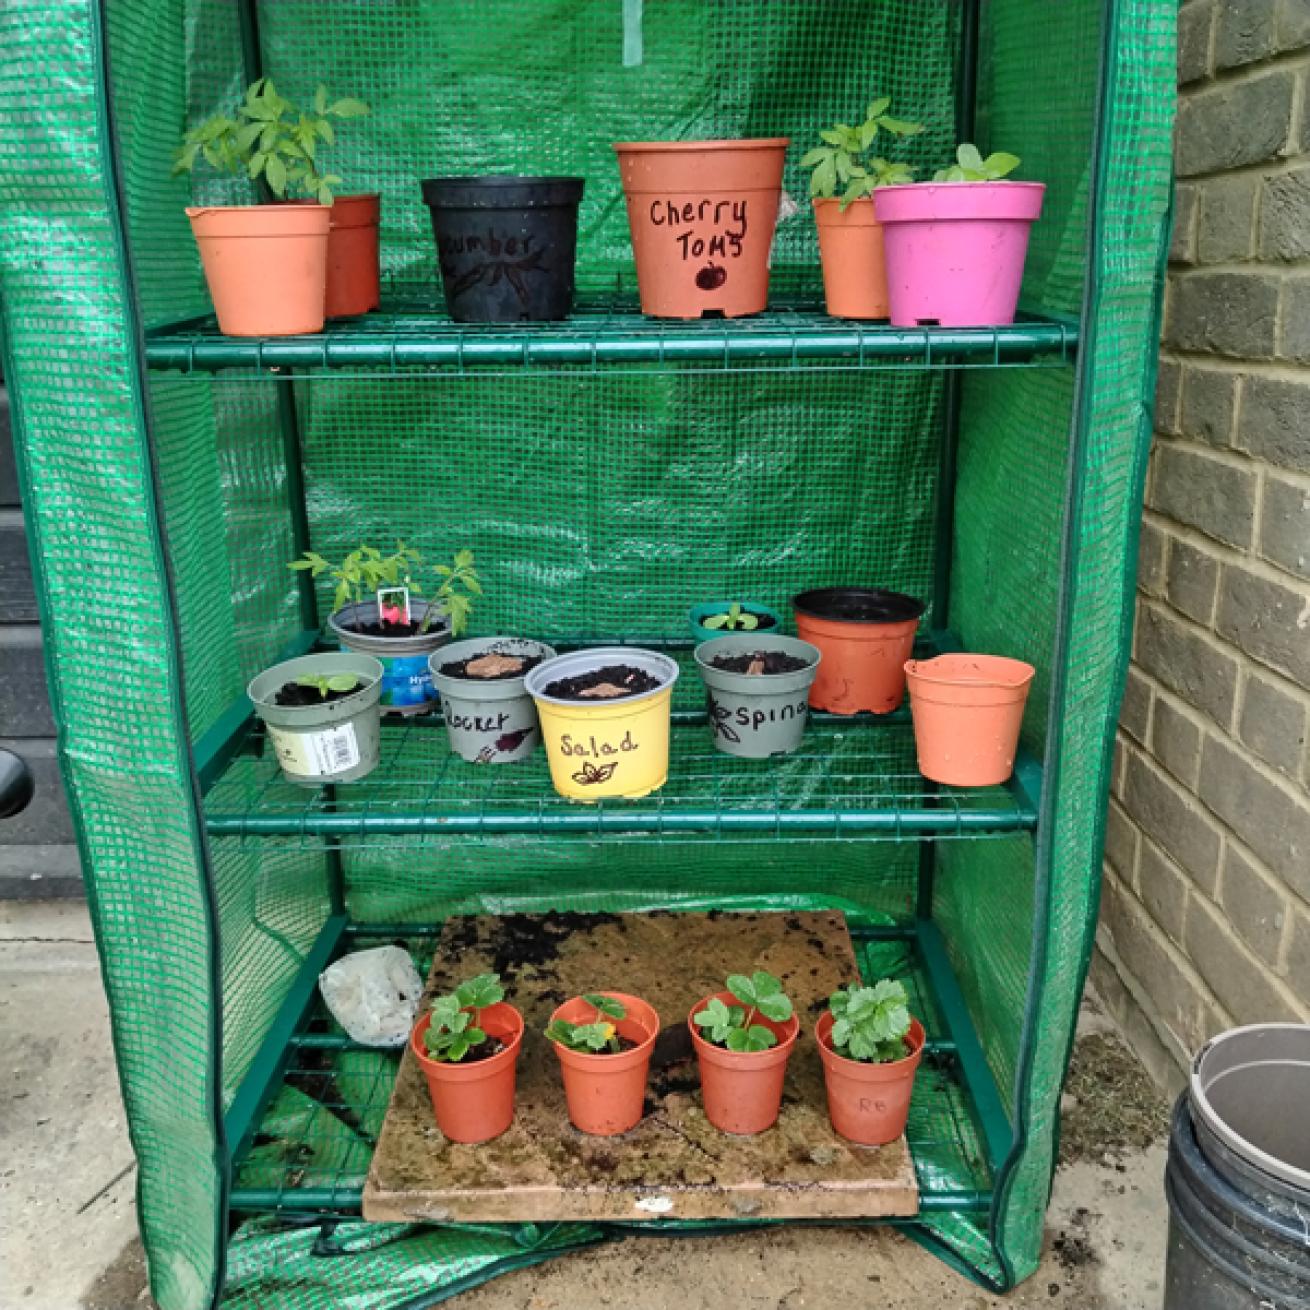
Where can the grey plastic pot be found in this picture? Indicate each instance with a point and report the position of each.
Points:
(755, 715)
(489, 721)
(406, 682)
(333, 742)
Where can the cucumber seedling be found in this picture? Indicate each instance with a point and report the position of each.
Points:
(970, 166)
(340, 683)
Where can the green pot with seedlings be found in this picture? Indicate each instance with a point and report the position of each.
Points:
(743, 1038)
(604, 1042)
(490, 718)
(377, 611)
(719, 618)
(322, 715)
(467, 1046)
(870, 1045)
(757, 692)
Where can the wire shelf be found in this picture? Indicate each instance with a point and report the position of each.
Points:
(412, 337)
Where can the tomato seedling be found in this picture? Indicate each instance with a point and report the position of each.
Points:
(845, 161)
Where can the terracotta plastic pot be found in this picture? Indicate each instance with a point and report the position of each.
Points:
(352, 267)
(742, 1091)
(866, 635)
(868, 1103)
(851, 248)
(967, 713)
(956, 250)
(474, 1102)
(407, 687)
(702, 215)
(266, 266)
(606, 1092)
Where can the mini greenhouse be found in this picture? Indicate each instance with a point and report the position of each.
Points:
(608, 471)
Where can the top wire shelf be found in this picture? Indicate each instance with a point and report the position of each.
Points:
(415, 337)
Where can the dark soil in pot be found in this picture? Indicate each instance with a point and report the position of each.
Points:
(490, 666)
(763, 623)
(613, 682)
(759, 662)
(859, 605)
(384, 628)
(294, 696)
(476, 1054)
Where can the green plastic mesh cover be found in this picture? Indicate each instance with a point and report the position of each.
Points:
(598, 502)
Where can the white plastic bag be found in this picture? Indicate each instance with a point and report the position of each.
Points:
(373, 995)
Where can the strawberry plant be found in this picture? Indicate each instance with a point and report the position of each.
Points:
(871, 1023)
(733, 1026)
(595, 1038)
(268, 138)
(970, 166)
(736, 618)
(456, 1024)
(365, 570)
(338, 682)
(845, 161)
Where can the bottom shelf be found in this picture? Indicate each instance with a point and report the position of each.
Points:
(324, 1098)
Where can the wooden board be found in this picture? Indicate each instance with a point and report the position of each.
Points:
(674, 1164)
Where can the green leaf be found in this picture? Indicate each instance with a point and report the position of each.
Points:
(606, 1005)
(899, 127)
(969, 159)
(999, 164)
(878, 107)
(824, 180)
(815, 156)
(348, 108)
(327, 132)
(765, 984)
(715, 622)
(740, 986)
(342, 682)
(275, 173)
(481, 991)
(777, 1008)
(320, 99)
(868, 131)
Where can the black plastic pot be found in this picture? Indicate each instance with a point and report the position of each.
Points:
(506, 245)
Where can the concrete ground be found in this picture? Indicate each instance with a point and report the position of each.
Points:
(67, 1232)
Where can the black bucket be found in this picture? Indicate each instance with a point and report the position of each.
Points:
(506, 245)
(1236, 1241)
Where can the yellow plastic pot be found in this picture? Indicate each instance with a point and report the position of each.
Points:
(602, 749)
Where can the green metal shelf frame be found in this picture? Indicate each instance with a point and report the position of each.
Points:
(952, 1038)
(409, 338)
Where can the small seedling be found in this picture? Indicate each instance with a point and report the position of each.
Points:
(268, 137)
(592, 1038)
(736, 618)
(970, 166)
(734, 1026)
(339, 683)
(366, 570)
(871, 1023)
(844, 160)
(456, 1026)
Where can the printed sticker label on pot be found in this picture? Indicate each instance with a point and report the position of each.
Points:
(406, 680)
(323, 753)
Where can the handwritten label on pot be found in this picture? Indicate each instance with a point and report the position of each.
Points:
(709, 233)
(324, 753)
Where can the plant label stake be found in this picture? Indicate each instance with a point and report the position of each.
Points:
(393, 605)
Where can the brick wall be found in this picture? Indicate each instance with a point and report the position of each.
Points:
(1205, 921)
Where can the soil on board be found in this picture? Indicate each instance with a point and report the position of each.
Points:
(758, 662)
(674, 1163)
(293, 695)
(491, 665)
(608, 683)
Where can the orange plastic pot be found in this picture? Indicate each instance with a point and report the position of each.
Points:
(868, 1103)
(702, 215)
(865, 635)
(850, 247)
(742, 1091)
(266, 266)
(605, 1093)
(967, 713)
(474, 1102)
(352, 257)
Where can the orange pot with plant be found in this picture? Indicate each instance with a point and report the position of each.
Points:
(967, 711)
(702, 216)
(865, 634)
(846, 169)
(467, 1046)
(870, 1046)
(743, 1039)
(267, 265)
(604, 1042)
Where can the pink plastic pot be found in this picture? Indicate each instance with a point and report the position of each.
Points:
(955, 250)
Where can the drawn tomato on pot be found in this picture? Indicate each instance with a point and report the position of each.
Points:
(711, 277)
